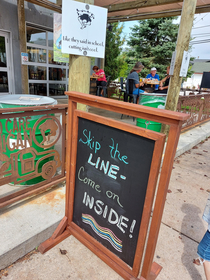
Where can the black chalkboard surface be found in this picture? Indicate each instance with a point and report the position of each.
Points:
(111, 179)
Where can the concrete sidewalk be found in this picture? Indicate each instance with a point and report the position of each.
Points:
(28, 223)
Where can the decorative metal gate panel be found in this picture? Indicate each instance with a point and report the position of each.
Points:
(32, 150)
(198, 106)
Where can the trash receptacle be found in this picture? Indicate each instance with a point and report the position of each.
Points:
(151, 100)
(16, 130)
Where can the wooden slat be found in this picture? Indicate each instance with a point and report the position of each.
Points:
(72, 107)
(170, 151)
(152, 182)
(137, 4)
(142, 16)
(150, 134)
(135, 110)
(60, 229)
(22, 194)
(43, 108)
(50, 243)
(128, 6)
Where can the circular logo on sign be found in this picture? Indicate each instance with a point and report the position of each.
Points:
(46, 131)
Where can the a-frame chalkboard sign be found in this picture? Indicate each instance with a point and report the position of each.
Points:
(111, 180)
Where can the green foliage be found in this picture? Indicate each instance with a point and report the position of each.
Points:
(114, 44)
(152, 42)
(122, 65)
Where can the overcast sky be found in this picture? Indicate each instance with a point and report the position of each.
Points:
(200, 31)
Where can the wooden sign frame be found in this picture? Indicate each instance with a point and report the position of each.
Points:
(68, 227)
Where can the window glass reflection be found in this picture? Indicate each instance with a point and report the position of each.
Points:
(51, 61)
(50, 39)
(4, 82)
(57, 74)
(37, 73)
(38, 89)
(36, 55)
(57, 89)
(3, 60)
(36, 36)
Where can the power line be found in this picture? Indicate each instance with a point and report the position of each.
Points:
(200, 42)
(200, 34)
(201, 18)
(200, 37)
(200, 27)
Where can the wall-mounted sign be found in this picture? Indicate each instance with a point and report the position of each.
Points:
(58, 56)
(185, 64)
(172, 63)
(83, 29)
(24, 57)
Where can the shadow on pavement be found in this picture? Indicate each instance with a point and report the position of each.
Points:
(191, 212)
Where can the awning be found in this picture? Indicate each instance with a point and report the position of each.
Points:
(127, 10)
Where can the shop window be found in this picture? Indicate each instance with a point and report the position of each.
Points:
(36, 55)
(50, 39)
(51, 61)
(37, 73)
(38, 89)
(57, 74)
(41, 65)
(57, 89)
(36, 36)
(3, 59)
(4, 82)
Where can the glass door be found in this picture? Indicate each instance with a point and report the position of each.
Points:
(5, 68)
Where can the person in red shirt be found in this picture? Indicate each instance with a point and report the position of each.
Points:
(101, 78)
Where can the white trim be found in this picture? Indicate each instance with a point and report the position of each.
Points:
(9, 56)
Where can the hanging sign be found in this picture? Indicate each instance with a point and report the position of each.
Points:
(58, 56)
(83, 29)
(185, 64)
(172, 63)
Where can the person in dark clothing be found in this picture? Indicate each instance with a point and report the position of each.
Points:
(164, 83)
(134, 75)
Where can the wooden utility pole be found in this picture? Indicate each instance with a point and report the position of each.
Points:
(183, 40)
(79, 71)
(22, 37)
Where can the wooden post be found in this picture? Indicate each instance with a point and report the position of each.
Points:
(102, 63)
(79, 71)
(187, 17)
(22, 37)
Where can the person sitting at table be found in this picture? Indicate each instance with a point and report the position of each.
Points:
(153, 75)
(101, 78)
(164, 83)
(135, 77)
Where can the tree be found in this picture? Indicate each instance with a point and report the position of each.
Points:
(152, 42)
(113, 48)
(123, 66)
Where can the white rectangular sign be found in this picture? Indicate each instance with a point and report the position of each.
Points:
(185, 64)
(83, 29)
(172, 63)
(24, 57)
